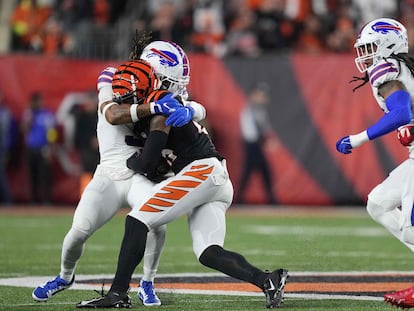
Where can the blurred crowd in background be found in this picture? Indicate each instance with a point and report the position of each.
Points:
(104, 29)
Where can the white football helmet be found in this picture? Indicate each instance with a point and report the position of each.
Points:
(171, 65)
(379, 39)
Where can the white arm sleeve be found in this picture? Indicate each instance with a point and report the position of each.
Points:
(105, 94)
(199, 110)
(104, 85)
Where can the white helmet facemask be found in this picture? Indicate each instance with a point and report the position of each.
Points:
(379, 39)
(171, 65)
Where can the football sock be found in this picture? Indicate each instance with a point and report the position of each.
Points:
(72, 249)
(130, 254)
(232, 264)
(153, 248)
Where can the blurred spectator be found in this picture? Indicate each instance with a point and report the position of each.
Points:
(26, 23)
(91, 28)
(368, 10)
(73, 13)
(342, 37)
(208, 27)
(76, 18)
(7, 139)
(299, 10)
(256, 129)
(311, 39)
(241, 38)
(101, 12)
(163, 21)
(39, 129)
(273, 29)
(407, 19)
(52, 39)
(86, 142)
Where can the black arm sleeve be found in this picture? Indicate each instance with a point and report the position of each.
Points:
(147, 162)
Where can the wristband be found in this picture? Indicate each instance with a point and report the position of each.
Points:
(152, 108)
(134, 113)
(358, 139)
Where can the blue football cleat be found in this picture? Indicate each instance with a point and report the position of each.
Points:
(47, 290)
(147, 295)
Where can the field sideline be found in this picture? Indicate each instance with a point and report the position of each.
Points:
(337, 257)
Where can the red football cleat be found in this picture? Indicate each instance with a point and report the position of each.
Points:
(402, 298)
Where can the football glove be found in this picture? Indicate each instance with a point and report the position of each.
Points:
(180, 117)
(165, 106)
(405, 134)
(344, 145)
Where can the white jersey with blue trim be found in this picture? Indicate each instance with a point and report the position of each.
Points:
(389, 70)
(113, 150)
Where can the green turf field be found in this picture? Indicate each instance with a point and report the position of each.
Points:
(313, 242)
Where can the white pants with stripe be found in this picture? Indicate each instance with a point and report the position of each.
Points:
(202, 190)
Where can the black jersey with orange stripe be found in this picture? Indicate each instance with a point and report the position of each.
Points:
(189, 142)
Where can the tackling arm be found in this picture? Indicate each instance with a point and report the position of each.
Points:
(147, 162)
(117, 114)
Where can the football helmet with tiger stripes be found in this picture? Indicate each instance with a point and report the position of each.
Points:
(133, 81)
(171, 65)
(380, 39)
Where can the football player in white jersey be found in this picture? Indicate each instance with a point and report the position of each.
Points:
(382, 54)
(107, 191)
(201, 189)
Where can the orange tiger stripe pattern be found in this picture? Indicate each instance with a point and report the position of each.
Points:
(184, 183)
(171, 193)
(176, 189)
(134, 77)
(148, 206)
(156, 95)
(200, 174)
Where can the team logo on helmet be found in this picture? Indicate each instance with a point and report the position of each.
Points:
(166, 57)
(384, 28)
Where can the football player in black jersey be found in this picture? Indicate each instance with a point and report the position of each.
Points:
(199, 188)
